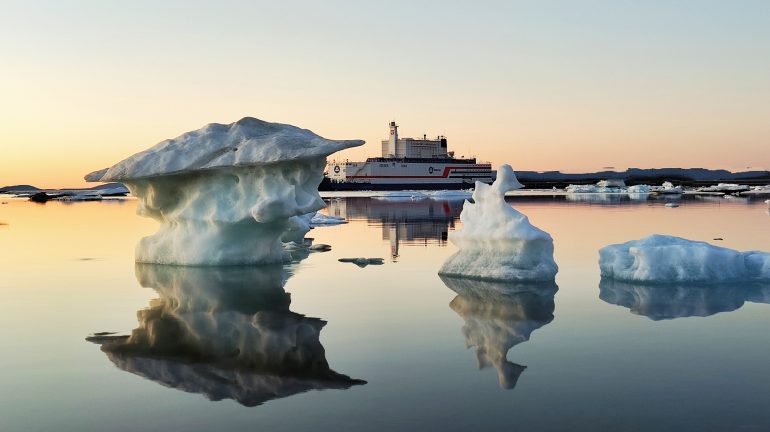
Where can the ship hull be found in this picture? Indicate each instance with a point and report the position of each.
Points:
(406, 174)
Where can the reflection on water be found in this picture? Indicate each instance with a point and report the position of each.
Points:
(421, 222)
(224, 332)
(499, 316)
(660, 302)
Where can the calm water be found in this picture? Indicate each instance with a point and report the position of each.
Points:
(324, 345)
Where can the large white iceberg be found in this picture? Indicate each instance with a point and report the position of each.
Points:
(225, 333)
(667, 259)
(496, 241)
(224, 194)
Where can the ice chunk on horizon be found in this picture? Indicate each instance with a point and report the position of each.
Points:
(667, 259)
(226, 194)
(498, 242)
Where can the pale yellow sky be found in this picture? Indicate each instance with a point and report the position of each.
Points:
(539, 85)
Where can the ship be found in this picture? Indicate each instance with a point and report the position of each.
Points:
(407, 164)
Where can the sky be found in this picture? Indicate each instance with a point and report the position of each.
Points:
(542, 85)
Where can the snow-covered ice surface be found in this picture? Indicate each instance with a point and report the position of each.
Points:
(496, 241)
(224, 194)
(499, 316)
(665, 259)
(669, 301)
(225, 333)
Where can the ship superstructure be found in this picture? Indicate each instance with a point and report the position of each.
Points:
(408, 163)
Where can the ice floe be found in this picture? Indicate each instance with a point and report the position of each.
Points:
(498, 242)
(724, 187)
(667, 259)
(224, 194)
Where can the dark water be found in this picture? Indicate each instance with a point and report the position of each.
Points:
(326, 345)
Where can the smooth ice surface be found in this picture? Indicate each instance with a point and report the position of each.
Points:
(225, 194)
(668, 259)
(225, 333)
(496, 241)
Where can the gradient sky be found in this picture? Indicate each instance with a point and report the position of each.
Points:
(567, 85)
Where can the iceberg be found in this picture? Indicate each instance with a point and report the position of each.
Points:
(496, 241)
(639, 189)
(668, 188)
(499, 316)
(670, 301)
(224, 333)
(724, 187)
(666, 259)
(224, 194)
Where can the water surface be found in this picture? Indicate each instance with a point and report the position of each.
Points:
(325, 345)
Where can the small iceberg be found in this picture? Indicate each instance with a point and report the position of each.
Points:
(498, 242)
(666, 259)
(668, 188)
(724, 187)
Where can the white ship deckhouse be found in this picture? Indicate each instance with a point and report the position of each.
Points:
(408, 163)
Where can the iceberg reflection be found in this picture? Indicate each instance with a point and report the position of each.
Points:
(226, 333)
(499, 316)
(669, 301)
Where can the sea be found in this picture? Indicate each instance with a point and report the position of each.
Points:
(324, 345)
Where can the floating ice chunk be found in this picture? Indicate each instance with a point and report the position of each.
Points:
(582, 189)
(496, 241)
(225, 333)
(667, 259)
(724, 187)
(362, 262)
(672, 205)
(668, 188)
(499, 316)
(639, 189)
(225, 194)
(451, 195)
(322, 219)
(669, 301)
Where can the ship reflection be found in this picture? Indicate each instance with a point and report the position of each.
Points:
(226, 333)
(662, 302)
(413, 222)
(499, 316)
